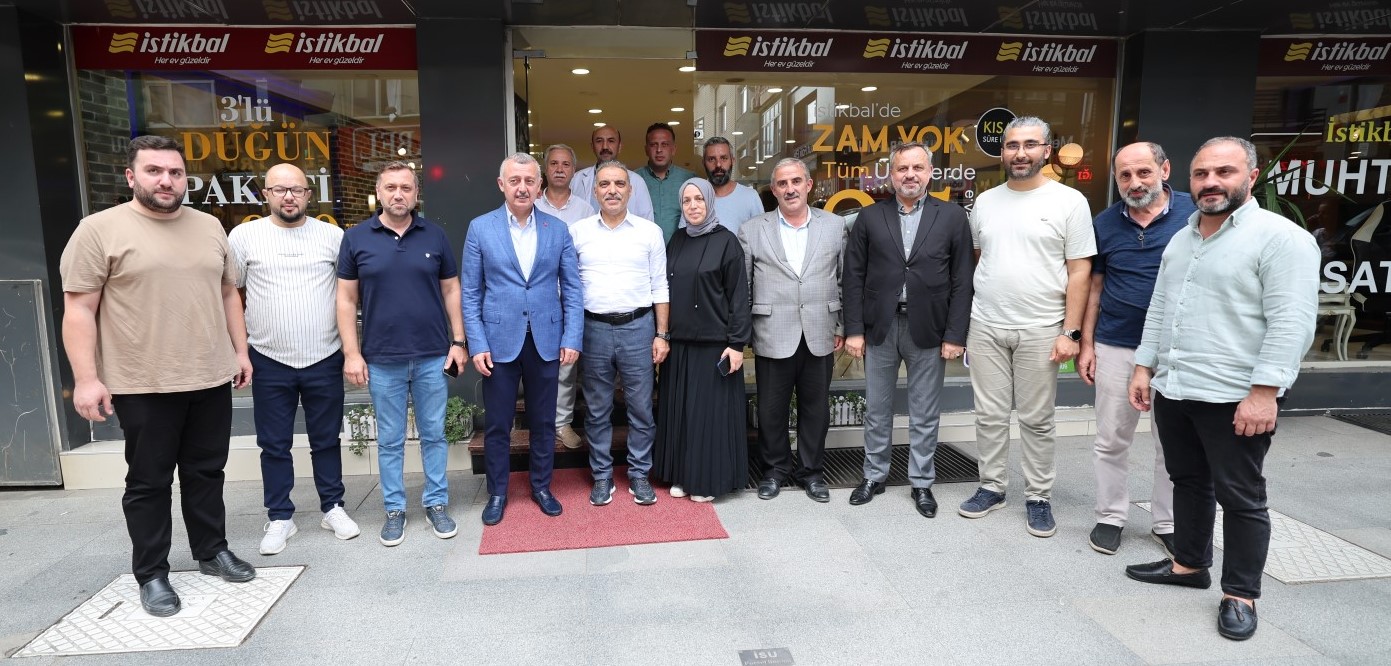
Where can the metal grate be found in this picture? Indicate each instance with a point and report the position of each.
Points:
(1378, 421)
(844, 467)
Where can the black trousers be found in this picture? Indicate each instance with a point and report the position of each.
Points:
(1209, 464)
(810, 376)
(188, 430)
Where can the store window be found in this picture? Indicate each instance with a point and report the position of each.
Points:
(1323, 107)
(338, 103)
(840, 101)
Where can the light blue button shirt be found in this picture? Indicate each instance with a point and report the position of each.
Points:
(794, 241)
(1233, 311)
(523, 241)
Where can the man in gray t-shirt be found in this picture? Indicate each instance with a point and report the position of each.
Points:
(287, 268)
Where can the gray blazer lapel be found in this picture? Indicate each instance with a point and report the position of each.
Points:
(815, 229)
(773, 236)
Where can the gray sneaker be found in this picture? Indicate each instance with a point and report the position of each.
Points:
(981, 503)
(394, 531)
(440, 521)
(1040, 521)
(602, 493)
(642, 490)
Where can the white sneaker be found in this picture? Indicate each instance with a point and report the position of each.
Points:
(277, 532)
(337, 519)
(702, 498)
(677, 491)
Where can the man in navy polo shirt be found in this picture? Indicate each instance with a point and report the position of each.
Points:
(401, 268)
(1130, 239)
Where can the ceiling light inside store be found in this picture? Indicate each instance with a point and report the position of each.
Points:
(677, 109)
(580, 71)
(598, 124)
(673, 122)
(790, 141)
(869, 89)
(736, 133)
(596, 110)
(775, 90)
(687, 68)
(401, 151)
(842, 106)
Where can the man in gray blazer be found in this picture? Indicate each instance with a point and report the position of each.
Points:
(793, 257)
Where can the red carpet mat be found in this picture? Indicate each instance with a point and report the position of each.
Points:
(622, 522)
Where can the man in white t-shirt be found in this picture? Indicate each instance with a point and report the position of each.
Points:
(735, 203)
(286, 263)
(1034, 243)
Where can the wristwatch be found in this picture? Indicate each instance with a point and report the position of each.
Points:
(665, 336)
(1072, 334)
(459, 343)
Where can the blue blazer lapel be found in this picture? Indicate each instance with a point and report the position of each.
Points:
(504, 237)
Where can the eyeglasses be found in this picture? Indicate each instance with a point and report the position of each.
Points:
(1015, 146)
(299, 192)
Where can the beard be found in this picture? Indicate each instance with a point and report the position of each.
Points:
(910, 190)
(1150, 196)
(147, 199)
(1231, 201)
(719, 177)
(1035, 166)
(287, 218)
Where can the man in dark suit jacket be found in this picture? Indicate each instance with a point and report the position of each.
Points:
(907, 290)
(523, 313)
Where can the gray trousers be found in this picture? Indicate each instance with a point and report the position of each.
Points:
(565, 395)
(925, 374)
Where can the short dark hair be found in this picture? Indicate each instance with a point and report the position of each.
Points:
(716, 141)
(150, 142)
(660, 126)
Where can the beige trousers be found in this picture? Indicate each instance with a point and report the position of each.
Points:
(1010, 370)
(1115, 433)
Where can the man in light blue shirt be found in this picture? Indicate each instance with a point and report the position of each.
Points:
(1233, 312)
(735, 202)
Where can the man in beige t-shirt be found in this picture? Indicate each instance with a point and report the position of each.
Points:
(153, 328)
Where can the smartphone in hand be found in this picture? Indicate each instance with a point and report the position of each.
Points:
(723, 365)
(452, 370)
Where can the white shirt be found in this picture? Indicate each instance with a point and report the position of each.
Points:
(576, 208)
(523, 242)
(794, 241)
(291, 281)
(1025, 241)
(639, 204)
(623, 268)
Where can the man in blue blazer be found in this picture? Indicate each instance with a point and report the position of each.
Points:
(523, 314)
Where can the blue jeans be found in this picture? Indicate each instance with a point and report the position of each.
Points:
(611, 352)
(278, 391)
(423, 380)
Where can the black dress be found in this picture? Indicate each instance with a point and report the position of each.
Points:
(702, 440)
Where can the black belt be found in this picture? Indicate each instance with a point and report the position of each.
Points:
(619, 318)
(902, 308)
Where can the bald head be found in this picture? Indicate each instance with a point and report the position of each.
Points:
(282, 183)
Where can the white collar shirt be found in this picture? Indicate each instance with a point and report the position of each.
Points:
(621, 268)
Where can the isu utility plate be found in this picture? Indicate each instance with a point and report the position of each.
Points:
(215, 614)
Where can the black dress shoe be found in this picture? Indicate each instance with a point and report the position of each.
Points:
(866, 491)
(158, 598)
(1162, 573)
(492, 511)
(228, 566)
(817, 489)
(769, 488)
(1236, 620)
(548, 503)
(1105, 538)
(926, 503)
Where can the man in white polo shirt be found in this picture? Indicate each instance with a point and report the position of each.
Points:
(623, 266)
(286, 265)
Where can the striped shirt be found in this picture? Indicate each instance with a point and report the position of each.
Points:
(290, 279)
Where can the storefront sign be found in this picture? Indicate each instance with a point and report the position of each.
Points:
(1325, 56)
(221, 48)
(773, 51)
(1340, 18)
(240, 12)
(1033, 17)
(990, 130)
